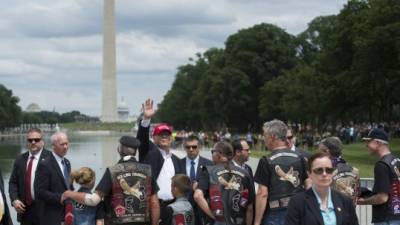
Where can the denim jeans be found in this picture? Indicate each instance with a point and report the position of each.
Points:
(275, 217)
(390, 222)
(219, 223)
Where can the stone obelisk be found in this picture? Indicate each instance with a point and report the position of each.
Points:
(109, 91)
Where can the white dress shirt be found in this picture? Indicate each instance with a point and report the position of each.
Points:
(189, 164)
(165, 176)
(59, 162)
(35, 163)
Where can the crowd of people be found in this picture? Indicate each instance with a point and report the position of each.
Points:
(156, 187)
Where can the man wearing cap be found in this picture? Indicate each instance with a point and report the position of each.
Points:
(158, 155)
(128, 188)
(346, 178)
(385, 199)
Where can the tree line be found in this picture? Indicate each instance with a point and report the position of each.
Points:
(11, 114)
(342, 68)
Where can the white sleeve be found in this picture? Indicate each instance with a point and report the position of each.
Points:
(145, 123)
(92, 199)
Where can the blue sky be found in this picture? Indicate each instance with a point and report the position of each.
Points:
(51, 50)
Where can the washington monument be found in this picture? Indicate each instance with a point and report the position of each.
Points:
(109, 91)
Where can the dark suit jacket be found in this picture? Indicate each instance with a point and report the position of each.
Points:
(49, 186)
(150, 154)
(6, 220)
(16, 184)
(303, 209)
(202, 163)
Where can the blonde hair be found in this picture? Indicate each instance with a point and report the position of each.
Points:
(84, 175)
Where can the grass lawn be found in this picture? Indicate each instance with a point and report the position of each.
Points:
(357, 155)
(96, 126)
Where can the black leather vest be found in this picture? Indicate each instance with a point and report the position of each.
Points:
(346, 180)
(287, 168)
(233, 193)
(130, 193)
(393, 203)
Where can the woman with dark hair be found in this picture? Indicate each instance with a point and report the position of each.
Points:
(321, 205)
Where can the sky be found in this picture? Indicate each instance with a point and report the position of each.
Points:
(51, 50)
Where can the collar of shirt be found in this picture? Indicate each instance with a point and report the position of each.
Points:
(59, 159)
(36, 156)
(330, 203)
(127, 158)
(238, 165)
(293, 148)
(196, 161)
(164, 154)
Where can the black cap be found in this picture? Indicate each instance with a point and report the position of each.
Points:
(129, 141)
(377, 134)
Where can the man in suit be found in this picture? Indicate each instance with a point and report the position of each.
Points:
(5, 218)
(21, 189)
(158, 155)
(191, 165)
(53, 179)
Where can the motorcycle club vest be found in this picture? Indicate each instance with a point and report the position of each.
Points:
(131, 190)
(286, 178)
(346, 180)
(394, 195)
(228, 194)
(182, 212)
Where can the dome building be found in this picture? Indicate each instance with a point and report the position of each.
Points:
(123, 111)
(33, 107)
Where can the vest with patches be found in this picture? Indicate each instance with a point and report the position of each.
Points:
(130, 193)
(182, 212)
(286, 168)
(346, 180)
(228, 194)
(393, 203)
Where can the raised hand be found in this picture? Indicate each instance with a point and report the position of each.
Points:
(148, 109)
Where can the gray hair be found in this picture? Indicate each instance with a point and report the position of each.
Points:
(277, 128)
(334, 146)
(56, 135)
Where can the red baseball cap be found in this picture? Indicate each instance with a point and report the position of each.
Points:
(162, 127)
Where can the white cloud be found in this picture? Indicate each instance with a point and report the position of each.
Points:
(51, 50)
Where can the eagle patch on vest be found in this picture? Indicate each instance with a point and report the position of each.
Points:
(291, 175)
(130, 192)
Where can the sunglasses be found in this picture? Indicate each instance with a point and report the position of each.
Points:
(191, 146)
(289, 137)
(36, 140)
(321, 170)
(215, 151)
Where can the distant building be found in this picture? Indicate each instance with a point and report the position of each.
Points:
(33, 107)
(123, 111)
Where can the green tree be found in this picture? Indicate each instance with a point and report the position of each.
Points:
(10, 112)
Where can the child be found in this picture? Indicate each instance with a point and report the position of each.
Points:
(179, 212)
(82, 214)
